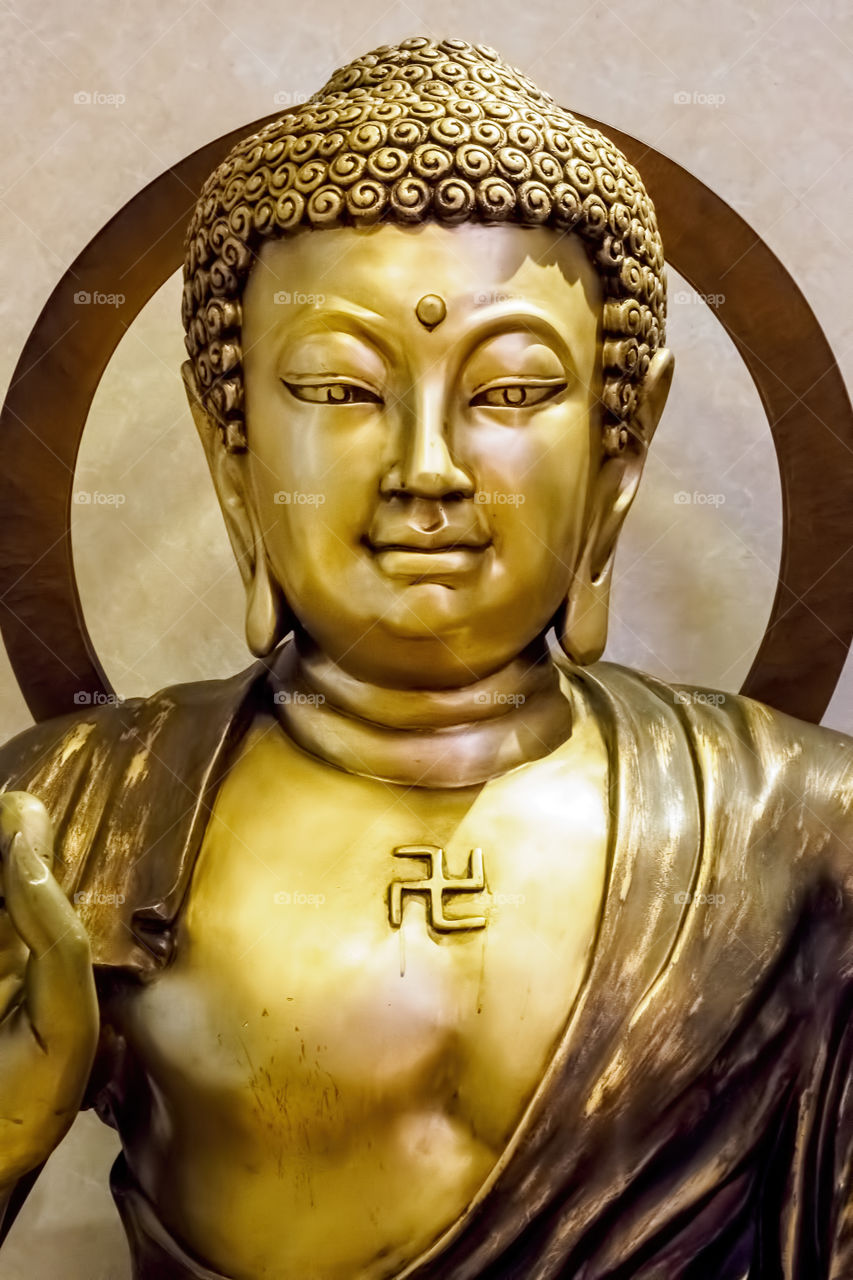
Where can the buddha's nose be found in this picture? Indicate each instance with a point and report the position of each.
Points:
(425, 466)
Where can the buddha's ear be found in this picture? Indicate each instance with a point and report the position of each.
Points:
(230, 478)
(582, 622)
(653, 392)
(616, 484)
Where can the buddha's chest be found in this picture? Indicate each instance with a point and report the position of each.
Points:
(323, 975)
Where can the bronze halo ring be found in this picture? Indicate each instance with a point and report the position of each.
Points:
(805, 645)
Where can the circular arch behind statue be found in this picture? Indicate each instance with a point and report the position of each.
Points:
(778, 337)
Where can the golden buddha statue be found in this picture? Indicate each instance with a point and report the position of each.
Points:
(429, 946)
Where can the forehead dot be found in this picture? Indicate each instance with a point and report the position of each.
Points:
(431, 310)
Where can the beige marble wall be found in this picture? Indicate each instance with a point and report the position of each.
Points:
(769, 89)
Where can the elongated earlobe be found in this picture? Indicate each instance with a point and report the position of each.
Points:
(581, 624)
(268, 619)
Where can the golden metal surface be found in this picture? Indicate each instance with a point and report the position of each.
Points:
(425, 433)
(342, 1059)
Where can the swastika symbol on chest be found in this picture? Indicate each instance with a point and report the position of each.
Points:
(436, 886)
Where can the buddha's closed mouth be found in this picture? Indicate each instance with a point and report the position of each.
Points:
(426, 545)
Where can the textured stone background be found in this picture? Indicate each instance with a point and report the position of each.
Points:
(770, 95)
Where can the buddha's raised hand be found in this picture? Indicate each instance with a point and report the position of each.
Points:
(48, 1004)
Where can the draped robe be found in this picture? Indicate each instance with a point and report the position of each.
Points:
(696, 1116)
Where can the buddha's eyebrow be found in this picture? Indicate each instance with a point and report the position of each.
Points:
(357, 321)
(375, 329)
(520, 319)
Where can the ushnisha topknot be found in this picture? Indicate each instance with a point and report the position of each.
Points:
(426, 129)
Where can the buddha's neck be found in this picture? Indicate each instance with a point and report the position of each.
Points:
(422, 737)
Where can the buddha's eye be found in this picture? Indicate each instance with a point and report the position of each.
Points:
(517, 395)
(332, 392)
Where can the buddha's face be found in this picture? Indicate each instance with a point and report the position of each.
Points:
(421, 473)
(425, 481)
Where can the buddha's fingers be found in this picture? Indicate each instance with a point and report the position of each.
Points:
(60, 988)
(22, 811)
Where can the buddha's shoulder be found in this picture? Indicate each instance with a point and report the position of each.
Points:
(109, 758)
(101, 721)
(728, 719)
(783, 775)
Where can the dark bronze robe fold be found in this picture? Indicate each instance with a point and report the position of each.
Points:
(130, 787)
(696, 1119)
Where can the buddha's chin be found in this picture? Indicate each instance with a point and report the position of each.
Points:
(413, 650)
(441, 639)
(428, 611)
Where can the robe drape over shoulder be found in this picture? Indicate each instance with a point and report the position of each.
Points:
(696, 1118)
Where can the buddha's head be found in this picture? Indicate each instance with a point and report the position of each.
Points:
(425, 315)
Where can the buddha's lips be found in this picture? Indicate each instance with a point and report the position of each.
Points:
(428, 543)
(432, 558)
(406, 535)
